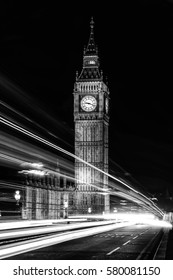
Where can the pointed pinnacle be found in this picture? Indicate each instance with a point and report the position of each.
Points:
(92, 24)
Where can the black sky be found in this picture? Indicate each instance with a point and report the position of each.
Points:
(41, 47)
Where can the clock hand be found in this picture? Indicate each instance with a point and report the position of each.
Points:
(88, 103)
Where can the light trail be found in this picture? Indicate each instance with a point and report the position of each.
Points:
(15, 111)
(21, 115)
(11, 159)
(49, 241)
(36, 223)
(42, 140)
(51, 229)
(46, 171)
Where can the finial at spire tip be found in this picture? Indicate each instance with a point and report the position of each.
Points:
(92, 23)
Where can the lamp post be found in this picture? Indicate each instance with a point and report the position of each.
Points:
(17, 197)
(66, 208)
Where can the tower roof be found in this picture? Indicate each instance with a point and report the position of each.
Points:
(90, 70)
(91, 48)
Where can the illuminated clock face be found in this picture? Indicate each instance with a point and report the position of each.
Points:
(106, 105)
(88, 103)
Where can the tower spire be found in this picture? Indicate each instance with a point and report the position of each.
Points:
(92, 25)
(91, 48)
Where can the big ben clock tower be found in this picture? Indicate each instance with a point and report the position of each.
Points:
(91, 117)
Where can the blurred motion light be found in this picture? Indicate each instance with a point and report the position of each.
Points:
(130, 194)
(34, 172)
(37, 165)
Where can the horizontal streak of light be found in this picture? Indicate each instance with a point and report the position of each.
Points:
(133, 197)
(15, 111)
(29, 153)
(34, 136)
(52, 229)
(17, 92)
(37, 223)
(48, 171)
(10, 185)
(49, 241)
(11, 159)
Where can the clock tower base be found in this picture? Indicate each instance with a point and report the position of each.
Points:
(92, 203)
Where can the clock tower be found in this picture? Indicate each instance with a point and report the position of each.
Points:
(91, 118)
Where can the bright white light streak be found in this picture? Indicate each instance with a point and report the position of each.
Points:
(24, 117)
(15, 111)
(50, 229)
(46, 171)
(159, 223)
(37, 165)
(48, 241)
(36, 223)
(126, 216)
(34, 172)
(11, 159)
(42, 140)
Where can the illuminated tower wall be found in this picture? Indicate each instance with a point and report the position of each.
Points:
(91, 106)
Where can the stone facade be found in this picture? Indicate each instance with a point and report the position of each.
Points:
(91, 117)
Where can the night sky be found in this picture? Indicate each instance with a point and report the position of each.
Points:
(41, 48)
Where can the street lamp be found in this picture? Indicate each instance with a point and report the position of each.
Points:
(66, 208)
(17, 197)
